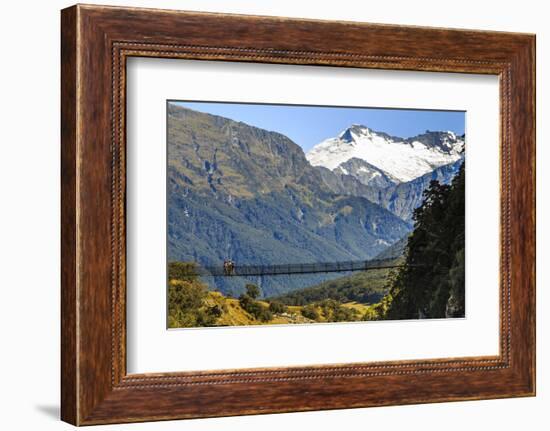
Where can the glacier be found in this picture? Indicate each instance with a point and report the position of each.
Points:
(400, 159)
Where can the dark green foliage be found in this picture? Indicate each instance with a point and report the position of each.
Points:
(186, 295)
(335, 312)
(185, 305)
(310, 312)
(252, 290)
(431, 284)
(182, 271)
(255, 308)
(215, 311)
(277, 307)
(455, 304)
(365, 287)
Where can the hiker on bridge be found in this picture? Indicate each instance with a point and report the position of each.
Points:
(228, 267)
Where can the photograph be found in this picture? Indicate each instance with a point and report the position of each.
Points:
(297, 214)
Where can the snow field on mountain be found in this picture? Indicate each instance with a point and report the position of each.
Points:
(404, 160)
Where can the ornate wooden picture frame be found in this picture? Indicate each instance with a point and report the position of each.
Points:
(96, 41)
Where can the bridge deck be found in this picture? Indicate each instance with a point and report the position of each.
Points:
(294, 268)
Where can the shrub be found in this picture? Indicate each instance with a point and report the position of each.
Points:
(185, 304)
(277, 307)
(343, 314)
(215, 311)
(310, 312)
(256, 309)
(335, 312)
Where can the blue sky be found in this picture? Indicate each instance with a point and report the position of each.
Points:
(309, 125)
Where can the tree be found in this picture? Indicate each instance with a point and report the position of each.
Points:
(455, 304)
(182, 271)
(333, 311)
(277, 307)
(255, 308)
(186, 304)
(186, 298)
(431, 282)
(310, 312)
(252, 290)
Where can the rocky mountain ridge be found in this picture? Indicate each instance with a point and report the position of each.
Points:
(386, 157)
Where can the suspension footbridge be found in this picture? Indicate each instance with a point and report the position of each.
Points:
(233, 269)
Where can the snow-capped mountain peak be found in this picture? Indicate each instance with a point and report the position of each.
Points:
(400, 159)
(354, 133)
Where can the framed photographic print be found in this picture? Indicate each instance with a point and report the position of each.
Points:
(266, 215)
